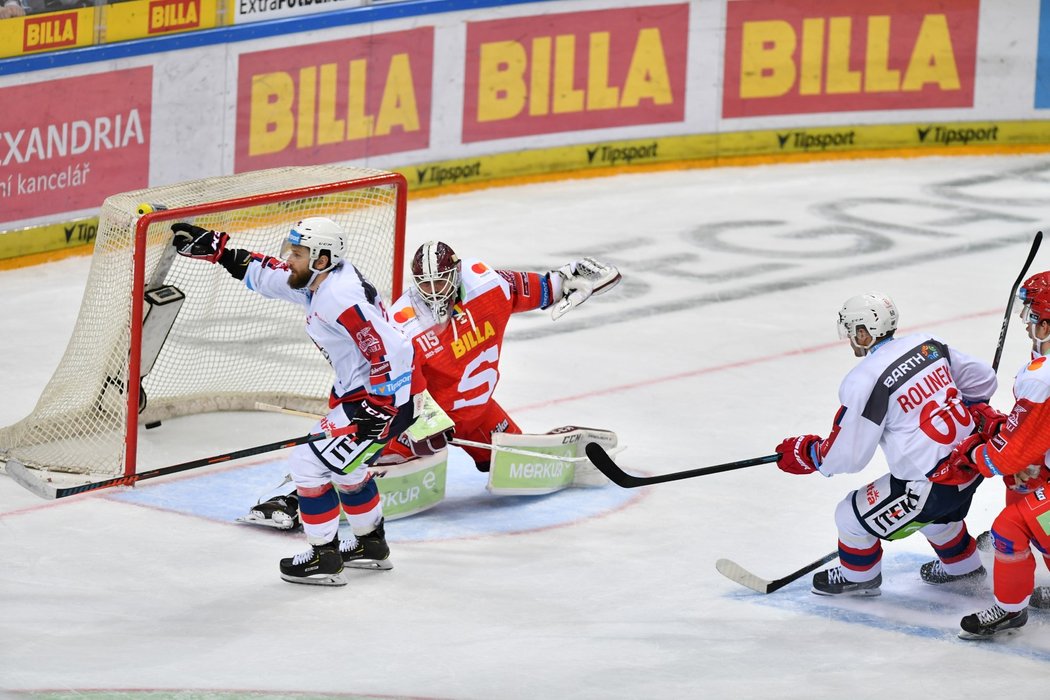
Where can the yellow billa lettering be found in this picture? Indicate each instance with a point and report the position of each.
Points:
(330, 128)
(540, 77)
(306, 123)
(359, 124)
(271, 122)
(600, 95)
(841, 80)
(766, 66)
(48, 33)
(304, 108)
(878, 76)
(398, 106)
(173, 15)
(503, 91)
(933, 57)
(501, 80)
(647, 77)
(567, 98)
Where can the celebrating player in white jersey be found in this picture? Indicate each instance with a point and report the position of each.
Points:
(370, 400)
(911, 396)
(1018, 449)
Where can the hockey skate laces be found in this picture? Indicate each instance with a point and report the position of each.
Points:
(303, 557)
(990, 615)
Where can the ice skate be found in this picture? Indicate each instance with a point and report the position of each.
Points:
(933, 572)
(368, 552)
(985, 624)
(1040, 598)
(320, 565)
(985, 542)
(832, 582)
(280, 512)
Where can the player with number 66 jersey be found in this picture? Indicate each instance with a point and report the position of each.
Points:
(911, 395)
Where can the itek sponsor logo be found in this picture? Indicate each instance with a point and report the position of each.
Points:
(948, 135)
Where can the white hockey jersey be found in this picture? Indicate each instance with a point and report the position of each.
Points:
(907, 395)
(347, 321)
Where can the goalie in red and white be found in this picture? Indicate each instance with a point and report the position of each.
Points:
(455, 313)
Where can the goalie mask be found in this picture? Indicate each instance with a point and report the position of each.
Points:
(322, 237)
(875, 312)
(435, 272)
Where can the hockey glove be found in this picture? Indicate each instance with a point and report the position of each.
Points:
(798, 455)
(959, 461)
(988, 420)
(195, 242)
(580, 280)
(1027, 480)
(371, 421)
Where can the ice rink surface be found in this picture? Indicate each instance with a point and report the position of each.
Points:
(719, 342)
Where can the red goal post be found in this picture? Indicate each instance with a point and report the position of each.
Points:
(160, 336)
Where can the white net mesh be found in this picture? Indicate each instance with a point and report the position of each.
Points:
(228, 347)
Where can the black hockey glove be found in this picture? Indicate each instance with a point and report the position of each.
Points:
(372, 421)
(195, 242)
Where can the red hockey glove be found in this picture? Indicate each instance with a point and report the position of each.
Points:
(195, 242)
(959, 466)
(988, 420)
(798, 455)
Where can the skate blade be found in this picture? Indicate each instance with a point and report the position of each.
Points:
(1002, 634)
(264, 522)
(373, 564)
(862, 593)
(325, 580)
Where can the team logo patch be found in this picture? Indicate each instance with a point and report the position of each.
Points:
(404, 314)
(1036, 363)
(479, 267)
(931, 352)
(367, 340)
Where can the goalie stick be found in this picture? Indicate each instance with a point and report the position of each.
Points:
(21, 475)
(453, 441)
(1013, 293)
(604, 463)
(735, 572)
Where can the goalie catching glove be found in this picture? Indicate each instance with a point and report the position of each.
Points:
(577, 281)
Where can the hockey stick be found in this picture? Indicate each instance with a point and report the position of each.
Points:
(735, 572)
(601, 459)
(1013, 293)
(454, 441)
(21, 475)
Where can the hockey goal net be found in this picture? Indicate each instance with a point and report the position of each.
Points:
(159, 335)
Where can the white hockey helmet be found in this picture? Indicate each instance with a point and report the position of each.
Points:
(321, 236)
(435, 272)
(873, 311)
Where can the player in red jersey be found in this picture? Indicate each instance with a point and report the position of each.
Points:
(1018, 451)
(456, 312)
